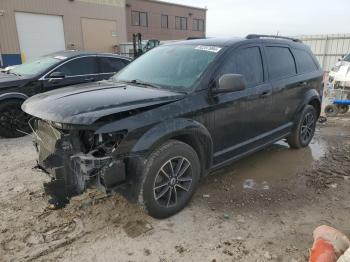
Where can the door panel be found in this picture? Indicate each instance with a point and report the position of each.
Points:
(242, 116)
(285, 87)
(239, 118)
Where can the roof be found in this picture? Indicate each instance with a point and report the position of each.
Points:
(76, 53)
(223, 42)
(211, 41)
(175, 4)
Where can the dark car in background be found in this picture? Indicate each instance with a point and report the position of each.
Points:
(174, 115)
(47, 73)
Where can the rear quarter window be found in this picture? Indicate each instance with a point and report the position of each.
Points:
(280, 62)
(111, 64)
(304, 61)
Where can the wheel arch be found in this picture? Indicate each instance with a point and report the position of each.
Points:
(312, 98)
(188, 131)
(9, 96)
(316, 103)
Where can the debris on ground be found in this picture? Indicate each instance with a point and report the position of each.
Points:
(260, 208)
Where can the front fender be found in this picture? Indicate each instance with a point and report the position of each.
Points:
(13, 96)
(179, 128)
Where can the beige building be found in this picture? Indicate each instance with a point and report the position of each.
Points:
(30, 28)
(164, 20)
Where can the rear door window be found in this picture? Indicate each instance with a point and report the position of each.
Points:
(111, 64)
(79, 67)
(280, 62)
(247, 62)
(304, 61)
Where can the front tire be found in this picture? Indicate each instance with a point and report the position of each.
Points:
(170, 178)
(12, 119)
(305, 128)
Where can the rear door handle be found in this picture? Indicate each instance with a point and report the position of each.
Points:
(265, 94)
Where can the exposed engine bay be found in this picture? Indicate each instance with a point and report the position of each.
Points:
(76, 160)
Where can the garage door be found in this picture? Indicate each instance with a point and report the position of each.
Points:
(99, 35)
(39, 34)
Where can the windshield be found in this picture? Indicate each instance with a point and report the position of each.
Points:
(347, 58)
(174, 67)
(35, 66)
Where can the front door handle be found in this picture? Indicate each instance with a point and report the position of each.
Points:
(265, 94)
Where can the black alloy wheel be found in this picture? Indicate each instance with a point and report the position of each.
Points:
(304, 128)
(308, 128)
(173, 181)
(170, 176)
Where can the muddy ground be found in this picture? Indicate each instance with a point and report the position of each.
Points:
(262, 208)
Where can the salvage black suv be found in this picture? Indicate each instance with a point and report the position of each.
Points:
(173, 115)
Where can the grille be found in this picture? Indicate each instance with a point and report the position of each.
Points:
(48, 137)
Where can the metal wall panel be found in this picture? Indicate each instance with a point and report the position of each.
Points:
(328, 48)
(71, 11)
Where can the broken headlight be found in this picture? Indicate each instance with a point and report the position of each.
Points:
(102, 144)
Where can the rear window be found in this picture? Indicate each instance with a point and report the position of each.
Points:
(280, 62)
(304, 61)
(111, 65)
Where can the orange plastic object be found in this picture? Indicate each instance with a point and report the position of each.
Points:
(329, 244)
(322, 251)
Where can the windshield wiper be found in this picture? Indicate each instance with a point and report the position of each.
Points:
(139, 82)
(12, 73)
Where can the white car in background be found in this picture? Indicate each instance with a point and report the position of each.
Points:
(340, 73)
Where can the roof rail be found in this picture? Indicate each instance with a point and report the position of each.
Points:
(254, 36)
(195, 37)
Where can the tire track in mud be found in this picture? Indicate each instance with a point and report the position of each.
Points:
(42, 232)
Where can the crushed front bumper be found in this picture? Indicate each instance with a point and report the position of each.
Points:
(71, 170)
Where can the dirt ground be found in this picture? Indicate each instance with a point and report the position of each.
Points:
(261, 208)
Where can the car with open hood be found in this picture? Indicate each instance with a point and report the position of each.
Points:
(174, 115)
(47, 73)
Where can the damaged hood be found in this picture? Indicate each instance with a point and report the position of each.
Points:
(84, 104)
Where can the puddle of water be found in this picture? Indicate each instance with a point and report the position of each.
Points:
(263, 170)
(249, 184)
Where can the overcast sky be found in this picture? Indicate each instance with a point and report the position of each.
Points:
(288, 17)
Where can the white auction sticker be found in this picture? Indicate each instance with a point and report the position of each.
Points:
(60, 57)
(213, 49)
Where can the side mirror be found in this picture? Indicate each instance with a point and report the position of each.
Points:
(230, 83)
(57, 75)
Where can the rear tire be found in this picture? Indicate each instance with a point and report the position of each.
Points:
(170, 177)
(343, 109)
(305, 128)
(12, 119)
(331, 110)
